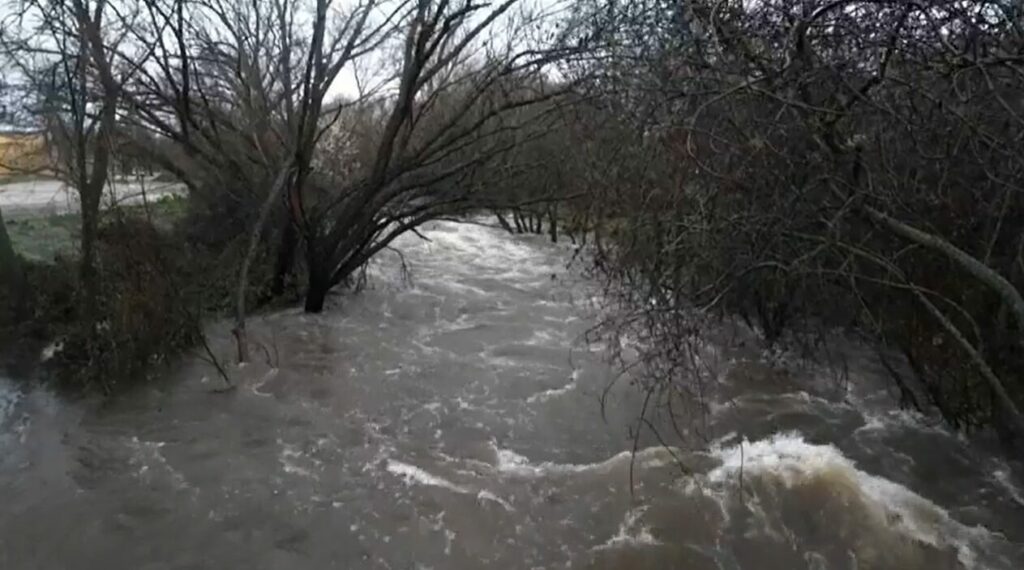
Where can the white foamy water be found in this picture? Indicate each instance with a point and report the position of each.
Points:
(1003, 478)
(513, 464)
(792, 461)
(631, 532)
(554, 392)
(415, 475)
(295, 462)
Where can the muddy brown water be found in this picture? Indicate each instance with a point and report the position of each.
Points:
(454, 422)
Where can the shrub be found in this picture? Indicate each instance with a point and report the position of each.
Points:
(146, 311)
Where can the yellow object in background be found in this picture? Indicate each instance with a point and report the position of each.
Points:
(23, 152)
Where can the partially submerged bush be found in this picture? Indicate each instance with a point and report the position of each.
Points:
(147, 309)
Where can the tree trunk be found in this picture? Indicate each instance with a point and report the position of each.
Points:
(316, 293)
(983, 273)
(285, 258)
(8, 260)
(90, 200)
(11, 276)
(502, 221)
(553, 222)
(583, 227)
(241, 338)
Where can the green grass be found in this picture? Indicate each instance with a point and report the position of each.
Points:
(44, 237)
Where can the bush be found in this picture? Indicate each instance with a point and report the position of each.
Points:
(147, 309)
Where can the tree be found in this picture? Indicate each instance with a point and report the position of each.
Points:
(239, 92)
(12, 278)
(65, 53)
(846, 163)
(458, 88)
(235, 99)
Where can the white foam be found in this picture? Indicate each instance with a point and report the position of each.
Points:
(554, 392)
(543, 337)
(792, 460)
(875, 421)
(415, 475)
(513, 464)
(290, 458)
(147, 454)
(432, 407)
(51, 350)
(1002, 477)
(485, 495)
(267, 377)
(631, 533)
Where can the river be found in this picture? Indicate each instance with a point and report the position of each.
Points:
(453, 420)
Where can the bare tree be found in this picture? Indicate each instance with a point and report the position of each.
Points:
(465, 69)
(65, 53)
(844, 163)
(235, 97)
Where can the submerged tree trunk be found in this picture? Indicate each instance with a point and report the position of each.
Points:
(553, 222)
(90, 196)
(502, 221)
(285, 258)
(316, 292)
(12, 278)
(241, 336)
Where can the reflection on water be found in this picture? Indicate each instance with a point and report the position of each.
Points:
(456, 423)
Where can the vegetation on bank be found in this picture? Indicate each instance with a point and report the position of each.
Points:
(157, 285)
(808, 167)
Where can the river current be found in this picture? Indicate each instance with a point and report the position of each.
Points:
(452, 419)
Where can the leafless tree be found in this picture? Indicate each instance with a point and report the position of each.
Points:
(237, 98)
(459, 88)
(843, 163)
(64, 52)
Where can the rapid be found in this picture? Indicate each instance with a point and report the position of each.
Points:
(452, 418)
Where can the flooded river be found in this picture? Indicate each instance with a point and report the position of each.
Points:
(454, 422)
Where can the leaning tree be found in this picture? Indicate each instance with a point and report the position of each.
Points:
(243, 100)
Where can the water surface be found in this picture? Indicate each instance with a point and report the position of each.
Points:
(455, 422)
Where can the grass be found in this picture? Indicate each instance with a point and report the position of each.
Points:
(13, 177)
(44, 237)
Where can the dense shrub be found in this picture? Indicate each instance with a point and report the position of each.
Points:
(147, 309)
(814, 165)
